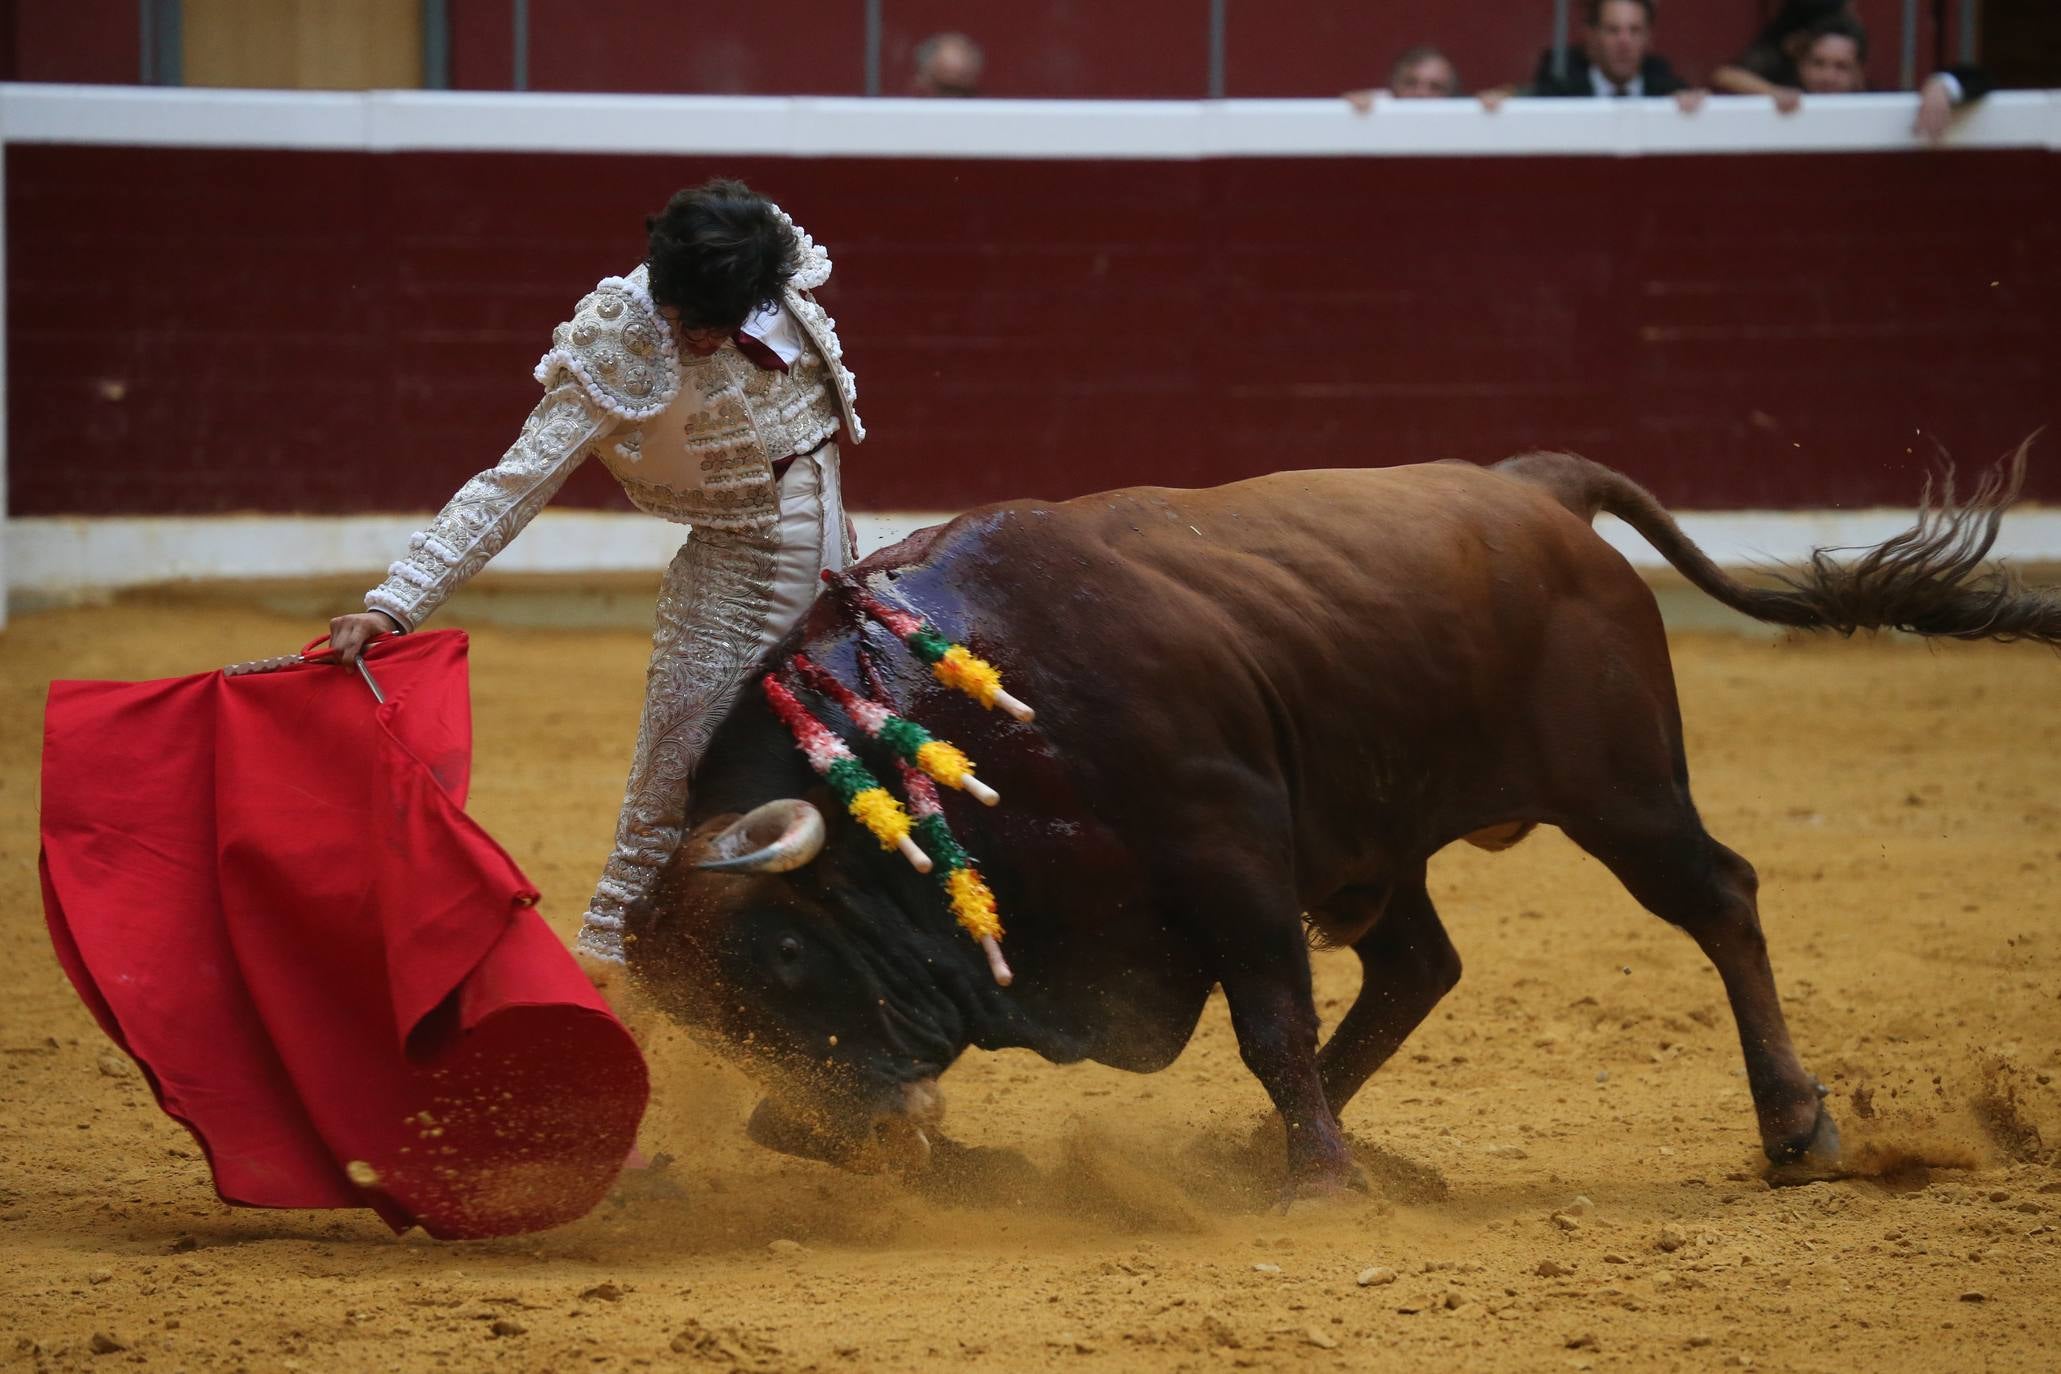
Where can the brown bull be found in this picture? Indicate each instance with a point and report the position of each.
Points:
(1262, 708)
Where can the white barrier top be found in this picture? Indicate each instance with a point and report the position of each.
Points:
(1158, 130)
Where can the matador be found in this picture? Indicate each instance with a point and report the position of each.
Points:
(713, 388)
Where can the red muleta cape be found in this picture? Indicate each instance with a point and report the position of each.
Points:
(267, 891)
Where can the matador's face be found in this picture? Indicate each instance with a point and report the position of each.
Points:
(698, 340)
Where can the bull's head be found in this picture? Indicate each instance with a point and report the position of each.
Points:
(807, 969)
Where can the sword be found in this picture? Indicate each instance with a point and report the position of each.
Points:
(365, 672)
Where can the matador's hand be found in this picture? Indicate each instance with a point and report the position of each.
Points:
(349, 634)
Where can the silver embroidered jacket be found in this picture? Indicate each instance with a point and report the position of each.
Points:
(691, 439)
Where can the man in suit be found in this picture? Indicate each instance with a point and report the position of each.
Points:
(1616, 59)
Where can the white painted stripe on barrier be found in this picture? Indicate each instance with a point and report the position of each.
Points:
(56, 556)
(1419, 128)
(821, 126)
(1843, 124)
(1156, 130)
(147, 116)
(65, 555)
(493, 121)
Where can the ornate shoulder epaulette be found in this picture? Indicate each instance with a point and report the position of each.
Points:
(619, 349)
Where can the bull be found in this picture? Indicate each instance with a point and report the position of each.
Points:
(1261, 709)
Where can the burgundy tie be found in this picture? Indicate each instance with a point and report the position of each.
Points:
(758, 352)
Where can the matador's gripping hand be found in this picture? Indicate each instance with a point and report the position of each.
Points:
(349, 634)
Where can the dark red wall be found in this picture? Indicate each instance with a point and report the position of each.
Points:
(1274, 49)
(349, 332)
(1141, 49)
(1042, 48)
(482, 36)
(92, 41)
(717, 47)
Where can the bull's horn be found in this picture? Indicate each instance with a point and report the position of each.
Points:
(776, 837)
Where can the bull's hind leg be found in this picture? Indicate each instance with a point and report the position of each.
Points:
(1406, 965)
(1679, 873)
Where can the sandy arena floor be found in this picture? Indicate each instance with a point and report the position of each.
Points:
(1567, 1171)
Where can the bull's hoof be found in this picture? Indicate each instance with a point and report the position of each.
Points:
(1345, 1187)
(773, 1127)
(896, 1140)
(976, 1175)
(899, 1146)
(1813, 1160)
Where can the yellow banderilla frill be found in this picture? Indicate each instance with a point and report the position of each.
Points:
(964, 671)
(877, 809)
(973, 904)
(945, 762)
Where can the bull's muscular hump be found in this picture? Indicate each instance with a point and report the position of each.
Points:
(1338, 668)
(1259, 706)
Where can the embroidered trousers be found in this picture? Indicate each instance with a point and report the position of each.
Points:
(726, 600)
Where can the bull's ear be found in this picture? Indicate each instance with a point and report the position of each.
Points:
(776, 837)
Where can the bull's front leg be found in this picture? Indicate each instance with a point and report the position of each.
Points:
(1260, 955)
(1275, 1020)
(1228, 883)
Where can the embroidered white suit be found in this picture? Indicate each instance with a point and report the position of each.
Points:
(692, 439)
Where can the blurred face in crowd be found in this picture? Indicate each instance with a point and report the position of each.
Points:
(1831, 65)
(1619, 38)
(951, 68)
(1427, 78)
(1807, 17)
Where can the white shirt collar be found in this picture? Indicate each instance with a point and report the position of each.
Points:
(776, 329)
(1603, 85)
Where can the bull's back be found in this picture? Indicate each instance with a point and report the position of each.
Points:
(1282, 571)
(1339, 627)
(1337, 536)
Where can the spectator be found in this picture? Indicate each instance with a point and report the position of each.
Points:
(948, 64)
(1833, 58)
(1769, 66)
(1422, 73)
(1616, 59)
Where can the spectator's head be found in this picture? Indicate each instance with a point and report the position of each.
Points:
(948, 64)
(717, 253)
(1792, 23)
(1423, 73)
(1834, 57)
(1620, 36)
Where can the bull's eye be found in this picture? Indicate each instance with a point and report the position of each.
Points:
(790, 949)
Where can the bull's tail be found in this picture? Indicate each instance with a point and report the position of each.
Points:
(1929, 580)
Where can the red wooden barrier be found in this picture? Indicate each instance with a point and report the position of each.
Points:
(197, 330)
